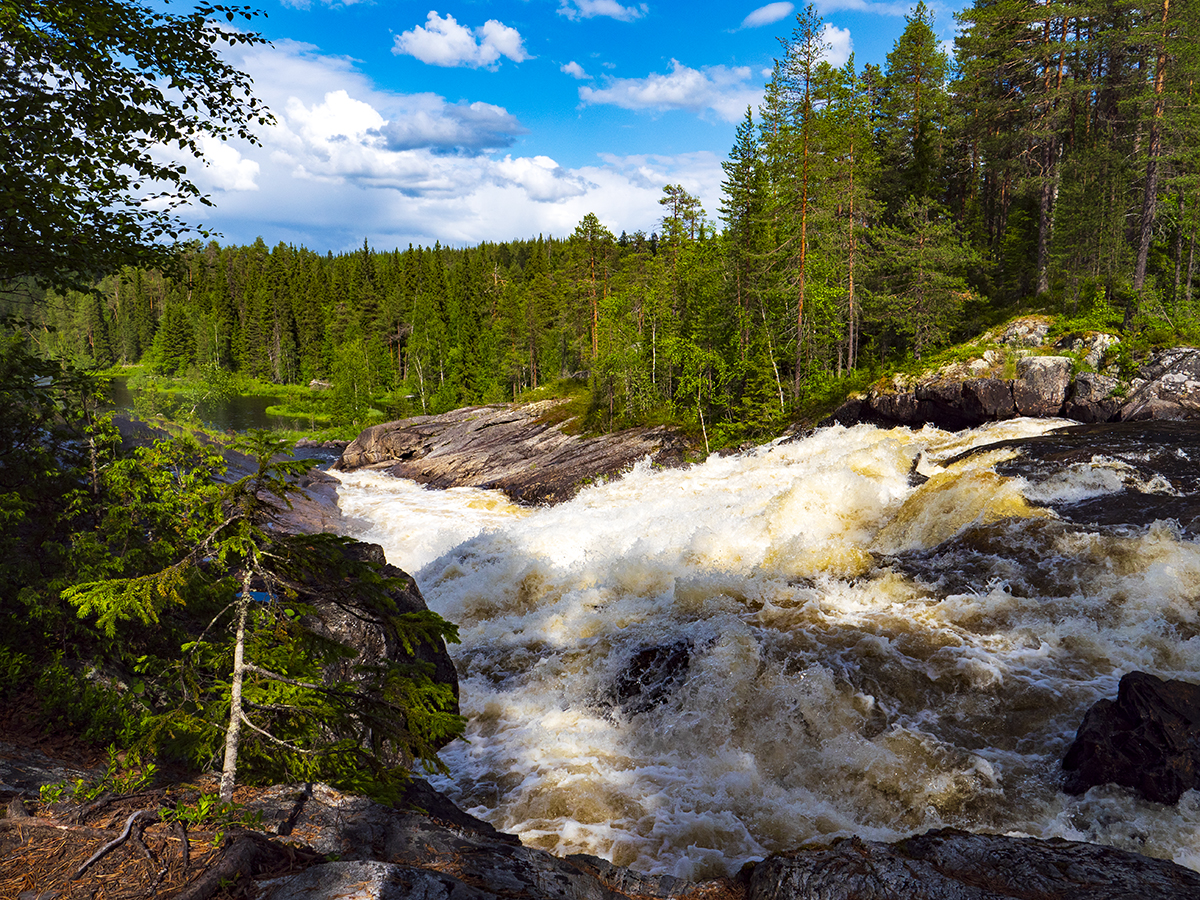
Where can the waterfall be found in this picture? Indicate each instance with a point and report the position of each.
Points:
(863, 632)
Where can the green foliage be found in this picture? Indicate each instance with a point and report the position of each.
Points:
(210, 813)
(89, 707)
(125, 773)
(97, 88)
(300, 724)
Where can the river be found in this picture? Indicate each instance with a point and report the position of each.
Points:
(237, 412)
(865, 631)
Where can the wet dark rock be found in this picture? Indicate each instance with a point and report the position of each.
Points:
(651, 676)
(943, 402)
(851, 412)
(1040, 388)
(404, 854)
(1147, 739)
(394, 853)
(988, 399)
(516, 449)
(956, 865)
(899, 409)
(1017, 552)
(1092, 399)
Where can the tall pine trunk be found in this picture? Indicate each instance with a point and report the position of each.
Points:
(1150, 194)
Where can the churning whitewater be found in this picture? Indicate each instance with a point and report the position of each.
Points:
(865, 631)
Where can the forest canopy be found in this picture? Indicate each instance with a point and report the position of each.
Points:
(869, 215)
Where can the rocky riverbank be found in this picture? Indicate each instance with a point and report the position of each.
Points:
(1020, 371)
(311, 842)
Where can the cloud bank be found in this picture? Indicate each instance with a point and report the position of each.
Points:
(346, 160)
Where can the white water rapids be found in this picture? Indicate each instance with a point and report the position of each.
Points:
(817, 677)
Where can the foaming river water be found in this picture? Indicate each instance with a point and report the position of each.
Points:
(866, 631)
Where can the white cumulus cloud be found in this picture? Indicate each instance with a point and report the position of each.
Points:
(838, 45)
(575, 70)
(443, 42)
(225, 168)
(765, 15)
(544, 180)
(725, 91)
(589, 9)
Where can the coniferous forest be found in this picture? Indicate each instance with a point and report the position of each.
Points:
(869, 215)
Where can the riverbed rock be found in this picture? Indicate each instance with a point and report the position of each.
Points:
(1147, 739)
(458, 857)
(956, 865)
(389, 853)
(520, 450)
(651, 676)
(1168, 387)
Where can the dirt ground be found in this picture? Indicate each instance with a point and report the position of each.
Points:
(42, 856)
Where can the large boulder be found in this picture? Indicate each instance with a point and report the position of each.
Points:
(901, 408)
(1147, 739)
(1169, 387)
(370, 632)
(1040, 388)
(957, 865)
(942, 402)
(1092, 398)
(987, 399)
(521, 450)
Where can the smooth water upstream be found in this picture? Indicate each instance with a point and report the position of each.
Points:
(683, 670)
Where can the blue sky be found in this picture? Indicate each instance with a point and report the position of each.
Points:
(461, 121)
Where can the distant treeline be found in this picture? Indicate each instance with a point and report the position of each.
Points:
(868, 214)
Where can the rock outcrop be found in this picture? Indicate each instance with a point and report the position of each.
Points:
(392, 854)
(967, 394)
(1168, 388)
(1147, 739)
(516, 449)
(957, 865)
(372, 635)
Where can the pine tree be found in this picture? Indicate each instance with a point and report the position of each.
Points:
(914, 104)
(922, 273)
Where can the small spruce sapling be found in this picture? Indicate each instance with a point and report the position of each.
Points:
(275, 690)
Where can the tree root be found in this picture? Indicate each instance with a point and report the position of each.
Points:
(140, 820)
(244, 855)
